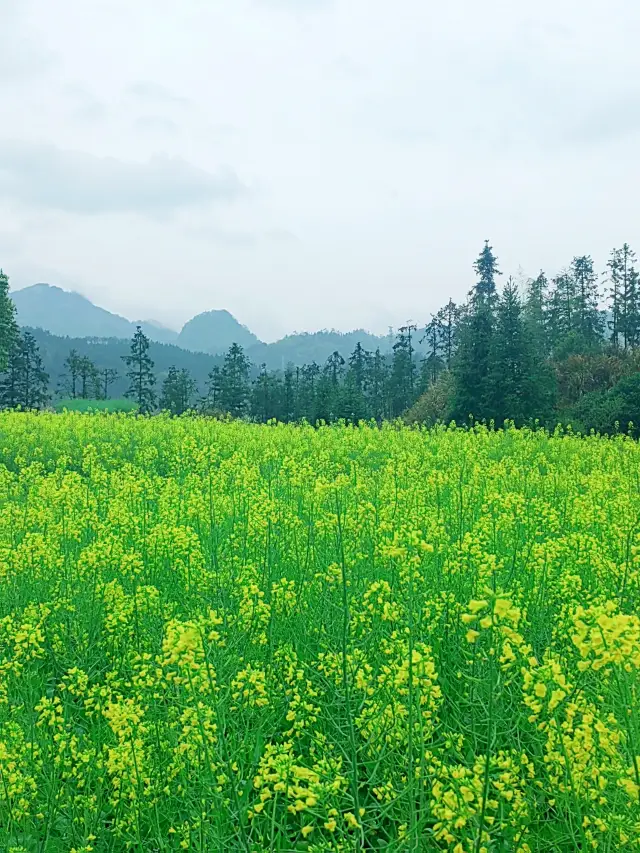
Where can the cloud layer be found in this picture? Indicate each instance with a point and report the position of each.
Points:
(45, 176)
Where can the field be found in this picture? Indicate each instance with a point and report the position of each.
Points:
(225, 637)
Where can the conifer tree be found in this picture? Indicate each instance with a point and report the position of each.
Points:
(589, 318)
(140, 373)
(234, 382)
(513, 388)
(211, 401)
(476, 339)
(379, 405)
(8, 325)
(107, 376)
(448, 319)
(178, 388)
(25, 382)
(289, 397)
(402, 378)
(70, 378)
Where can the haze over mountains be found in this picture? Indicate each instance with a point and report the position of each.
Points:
(68, 314)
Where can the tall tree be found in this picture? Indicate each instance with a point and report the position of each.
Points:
(69, 382)
(107, 376)
(378, 386)
(265, 396)
(515, 387)
(140, 373)
(234, 382)
(402, 378)
(476, 338)
(433, 362)
(8, 325)
(589, 317)
(178, 388)
(25, 382)
(623, 298)
(211, 401)
(448, 319)
(89, 383)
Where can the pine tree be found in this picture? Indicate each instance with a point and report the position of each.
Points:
(309, 378)
(140, 373)
(11, 378)
(8, 325)
(477, 330)
(623, 298)
(616, 323)
(561, 313)
(234, 382)
(178, 388)
(535, 310)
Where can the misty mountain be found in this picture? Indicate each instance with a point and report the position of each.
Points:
(71, 315)
(65, 313)
(214, 332)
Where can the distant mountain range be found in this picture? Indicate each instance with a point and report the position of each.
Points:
(70, 315)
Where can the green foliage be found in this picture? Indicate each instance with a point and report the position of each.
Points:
(178, 390)
(140, 373)
(24, 382)
(8, 326)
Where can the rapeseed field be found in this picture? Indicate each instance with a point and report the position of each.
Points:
(225, 637)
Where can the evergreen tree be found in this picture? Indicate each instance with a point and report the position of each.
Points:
(623, 298)
(24, 382)
(234, 382)
(433, 362)
(71, 377)
(211, 401)
(535, 310)
(476, 339)
(140, 373)
(561, 313)
(35, 379)
(8, 325)
(448, 319)
(88, 378)
(309, 377)
(265, 396)
(403, 371)
(107, 376)
(289, 396)
(589, 318)
(178, 388)
(513, 389)
(379, 404)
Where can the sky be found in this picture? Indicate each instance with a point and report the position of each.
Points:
(311, 164)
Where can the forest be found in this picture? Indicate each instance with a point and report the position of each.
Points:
(562, 349)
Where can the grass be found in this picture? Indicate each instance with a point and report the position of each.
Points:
(219, 636)
(78, 405)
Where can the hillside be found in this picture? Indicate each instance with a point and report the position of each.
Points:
(214, 332)
(66, 314)
(107, 353)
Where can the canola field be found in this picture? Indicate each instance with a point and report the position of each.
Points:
(226, 637)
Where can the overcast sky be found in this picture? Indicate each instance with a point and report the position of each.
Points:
(311, 163)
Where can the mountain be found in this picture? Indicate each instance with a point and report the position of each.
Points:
(43, 306)
(214, 332)
(305, 347)
(65, 313)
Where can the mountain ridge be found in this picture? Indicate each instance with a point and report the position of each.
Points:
(68, 314)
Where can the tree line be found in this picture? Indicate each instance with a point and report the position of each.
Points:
(547, 349)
